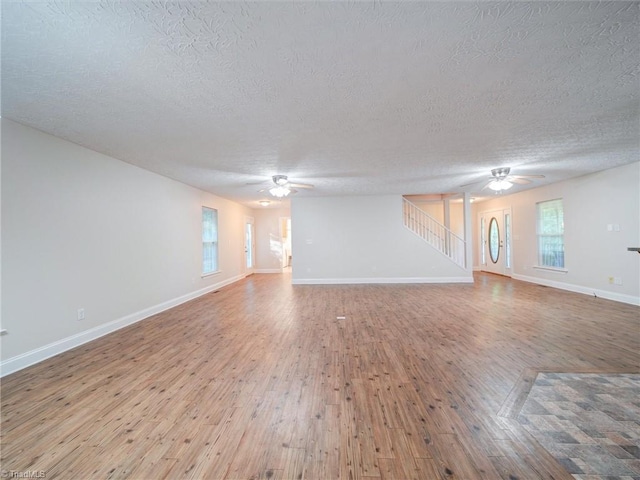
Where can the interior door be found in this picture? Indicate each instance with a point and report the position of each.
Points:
(495, 231)
(249, 245)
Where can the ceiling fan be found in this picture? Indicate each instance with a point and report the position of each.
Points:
(501, 180)
(282, 187)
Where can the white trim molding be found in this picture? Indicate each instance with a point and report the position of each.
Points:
(550, 269)
(269, 270)
(617, 297)
(37, 355)
(351, 281)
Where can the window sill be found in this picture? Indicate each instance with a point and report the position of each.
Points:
(210, 274)
(551, 269)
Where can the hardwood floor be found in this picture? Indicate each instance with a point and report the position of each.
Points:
(262, 380)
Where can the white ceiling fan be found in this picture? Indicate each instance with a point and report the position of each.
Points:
(282, 187)
(501, 180)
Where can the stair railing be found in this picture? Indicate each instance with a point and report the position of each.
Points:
(434, 233)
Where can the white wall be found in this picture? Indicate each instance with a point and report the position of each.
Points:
(362, 240)
(592, 253)
(456, 218)
(435, 209)
(83, 230)
(269, 249)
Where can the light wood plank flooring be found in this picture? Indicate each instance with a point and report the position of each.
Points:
(261, 380)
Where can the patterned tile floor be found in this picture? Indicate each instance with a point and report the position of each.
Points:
(589, 422)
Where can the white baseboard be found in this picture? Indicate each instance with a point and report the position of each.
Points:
(268, 270)
(617, 297)
(349, 281)
(37, 355)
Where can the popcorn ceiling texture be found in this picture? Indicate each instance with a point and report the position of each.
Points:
(356, 98)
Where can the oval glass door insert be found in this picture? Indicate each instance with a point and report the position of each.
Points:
(494, 240)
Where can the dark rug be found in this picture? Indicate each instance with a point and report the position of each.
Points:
(589, 422)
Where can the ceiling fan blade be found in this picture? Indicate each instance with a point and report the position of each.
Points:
(300, 185)
(518, 180)
(478, 181)
(527, 176)
(258, 183)
(472, 183)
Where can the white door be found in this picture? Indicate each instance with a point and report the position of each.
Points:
(249, 245)
(495, 232)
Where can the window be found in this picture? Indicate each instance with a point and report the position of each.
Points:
(494, 240)
(209, 240)
(483, 242)
(551, 234)
(507, 240)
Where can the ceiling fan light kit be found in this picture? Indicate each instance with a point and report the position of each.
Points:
(282, 187)
(279, 191)
(501, 180)
(500, 185)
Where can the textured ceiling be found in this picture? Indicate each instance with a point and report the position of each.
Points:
(356, 98)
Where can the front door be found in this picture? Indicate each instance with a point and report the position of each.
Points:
(495, 231)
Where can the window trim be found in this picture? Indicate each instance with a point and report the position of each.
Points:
(551, 269)
(215, 243)
(539, 236)
(211, 274)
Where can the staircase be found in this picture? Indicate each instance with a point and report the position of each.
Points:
(434, 233)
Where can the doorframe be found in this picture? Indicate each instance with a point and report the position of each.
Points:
(507, 239)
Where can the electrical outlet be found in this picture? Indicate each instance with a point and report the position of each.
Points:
(80, 314)
(617, 281)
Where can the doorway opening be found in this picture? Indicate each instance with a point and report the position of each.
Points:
(285, 234)
(249, 245)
